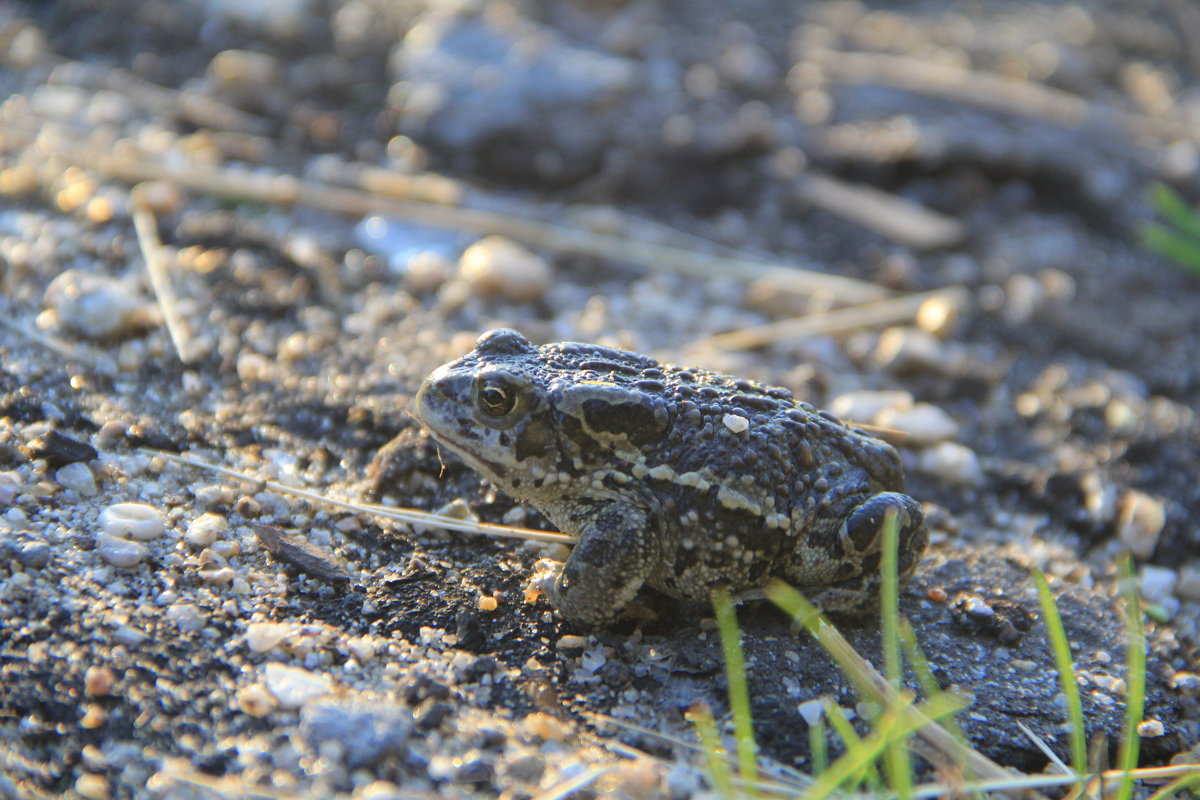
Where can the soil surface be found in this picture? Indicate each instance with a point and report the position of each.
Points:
(333, 197)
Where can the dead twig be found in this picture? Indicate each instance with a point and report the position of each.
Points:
(880, 312)
(887, 214)
(995, 92)
(146, 226)
(411, 516)
(124, 162)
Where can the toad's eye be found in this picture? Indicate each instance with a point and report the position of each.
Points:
(496, 400)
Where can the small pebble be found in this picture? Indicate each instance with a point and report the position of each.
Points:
(218, 576)
(58, 449)
(34, 555)
(98, 681)
(811, 711)
(78, 478)
(1150, 728)
(924, 423)
(186, 616)
(496, 266)
(1188, 586)
(129, 636)
(953, 463)
(262, 636)
(243, 69)
(545, 727)
(255, 700)
(863, 406)
(294, 686)
(1140, 521)
(572, 641)
(362, 648)
(205, 529)
(1157, 584)
(97, 306)
(120, 552)
(132, 520)
(428, 270)
(913, 350)
(367, 729)
(10, 487)
(92, 786)
(526, 767)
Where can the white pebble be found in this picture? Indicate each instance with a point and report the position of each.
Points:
(96, 306)
(953, 463)
(120, 552)
(498, 266)
(863, 405)
(129, 636)
(1140, 521)
(1157, 584)
(132, 520)
(243, 69)
(186, 616)
(294, 686)
(8, 491)
(78, 478)
(925, 424)
(205, 529)
(262, 636)
(912, 349)
(811, 711)
(1150, 728)
(735, 423)
(363, 648)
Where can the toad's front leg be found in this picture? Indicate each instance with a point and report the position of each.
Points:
(618, 548)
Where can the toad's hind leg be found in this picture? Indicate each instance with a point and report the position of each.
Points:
(851, 548)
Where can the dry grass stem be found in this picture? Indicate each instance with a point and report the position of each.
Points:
(564, 788)
(887, 214)
(126, 163)
(146, 226)
(881, 312)
(991, 91)
(202, 111)
(410, 516)
(75, 352)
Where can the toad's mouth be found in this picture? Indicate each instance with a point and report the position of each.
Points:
(438, 406)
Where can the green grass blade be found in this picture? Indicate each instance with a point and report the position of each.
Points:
(739, 691)
(896, 758)
(1171, 245)
(853, 743)
(893, 725)
(817, 746)
(719, 773)
(1172, 208)
(1066, 673)
(930, 688)
(1135, 680)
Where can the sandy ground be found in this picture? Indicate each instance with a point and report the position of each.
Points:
(335, 197)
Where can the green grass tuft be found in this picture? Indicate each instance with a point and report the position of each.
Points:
(1177, 236)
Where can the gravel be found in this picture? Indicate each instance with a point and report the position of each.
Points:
(166, 629)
